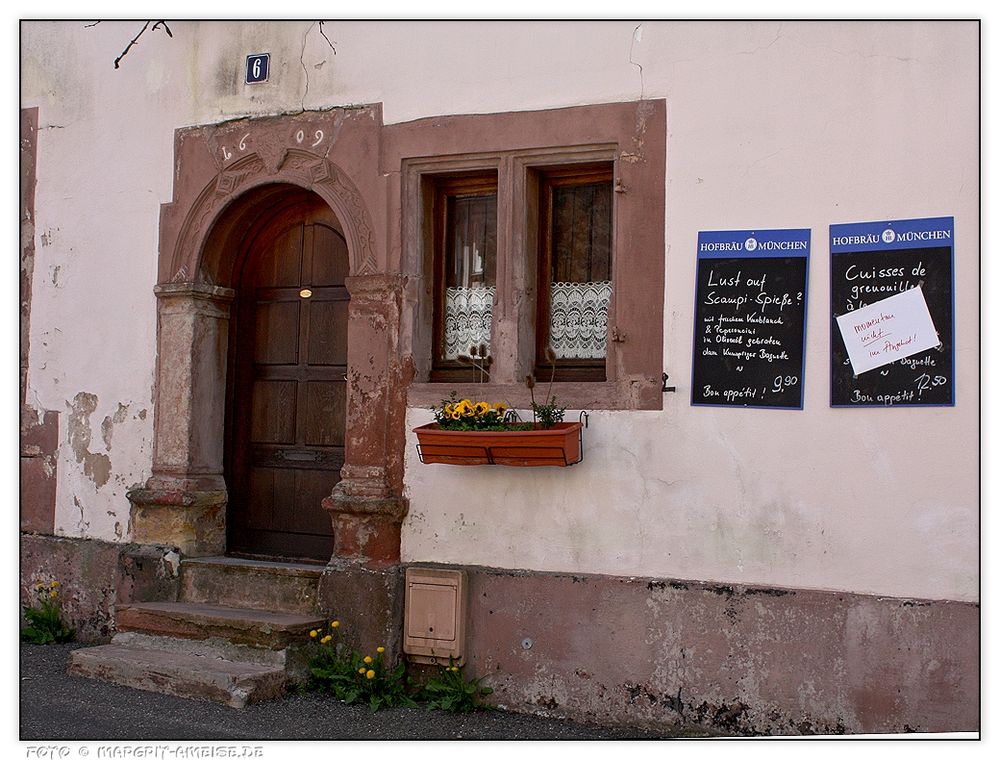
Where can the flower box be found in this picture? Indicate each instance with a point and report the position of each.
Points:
(558, 446)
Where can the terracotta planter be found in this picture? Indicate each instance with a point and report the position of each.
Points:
(558, 446)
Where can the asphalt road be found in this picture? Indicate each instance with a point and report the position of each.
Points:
(58, 707)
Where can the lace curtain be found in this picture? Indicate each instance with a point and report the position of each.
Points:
(468, 319)
(579, 321)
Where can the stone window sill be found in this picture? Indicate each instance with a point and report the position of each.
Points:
(635, 393)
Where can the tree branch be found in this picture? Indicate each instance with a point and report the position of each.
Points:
(326, 38)
(135, 39)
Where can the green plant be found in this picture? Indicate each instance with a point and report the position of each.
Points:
(549, 412)
(354, 677)
(44, 616)
(451, 691)
(454, 414)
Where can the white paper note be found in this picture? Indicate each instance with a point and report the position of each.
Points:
(888, 330)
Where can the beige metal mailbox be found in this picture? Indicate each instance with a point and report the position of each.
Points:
(434, 614)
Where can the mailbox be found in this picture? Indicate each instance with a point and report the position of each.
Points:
(434, 628)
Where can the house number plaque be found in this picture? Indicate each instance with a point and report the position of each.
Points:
(258, 66)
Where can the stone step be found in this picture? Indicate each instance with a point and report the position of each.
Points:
(183, 675)
(294, 659)
(238, 625)
(252, 584)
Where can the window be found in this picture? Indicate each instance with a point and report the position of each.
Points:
(574, 272)
(465, 265)
(528, 231)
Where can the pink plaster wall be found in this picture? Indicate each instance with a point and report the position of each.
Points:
(727, 658)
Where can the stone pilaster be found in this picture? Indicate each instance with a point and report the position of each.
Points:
(184, 502)
(366, 507)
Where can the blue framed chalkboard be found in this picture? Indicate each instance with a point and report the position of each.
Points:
(750, 317)
(871, 261)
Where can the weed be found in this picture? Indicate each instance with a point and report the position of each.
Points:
(44, 616)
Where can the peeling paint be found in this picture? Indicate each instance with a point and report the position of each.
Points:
(82, 524)
(107, 426)
(47, 237)
(96, 466)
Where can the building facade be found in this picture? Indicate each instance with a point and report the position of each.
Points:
(239, 298)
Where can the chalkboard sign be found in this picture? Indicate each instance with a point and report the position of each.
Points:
(871, 261)
(750, 314)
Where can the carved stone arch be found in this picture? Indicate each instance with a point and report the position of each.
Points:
(198, 254)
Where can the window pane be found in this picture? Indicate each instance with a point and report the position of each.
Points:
(581, 270)
(470, 273)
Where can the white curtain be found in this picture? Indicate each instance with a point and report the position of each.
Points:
(579, 319)
(468, 318)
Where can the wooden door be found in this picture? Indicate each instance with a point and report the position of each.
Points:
(288, 395)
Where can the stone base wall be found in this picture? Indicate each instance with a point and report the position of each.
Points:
(369, 603)
(96, 575)
(746, 660)
(619, 650)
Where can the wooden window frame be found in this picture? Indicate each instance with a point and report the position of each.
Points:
(441, 189)
(549, 179)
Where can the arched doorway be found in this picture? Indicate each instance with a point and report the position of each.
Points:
(219, 210)
(286, 395)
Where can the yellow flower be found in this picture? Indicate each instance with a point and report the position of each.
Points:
(313, 634)
(361, 671)
(500, 407)
(54, 584)
(53, 594)
(482, 407)
(368, 660)
(335, 624)
(39, 586)
(326, 640)
(454, 668)
(370, 674)
(380, 650)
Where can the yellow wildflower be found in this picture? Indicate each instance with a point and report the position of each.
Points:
(368, 659)
(53, 594)
(454, 668)
(335, 624)
(380, 650)
(313, 634)
(361, 671)
(370, 674)
(326, 639)
(54, 584)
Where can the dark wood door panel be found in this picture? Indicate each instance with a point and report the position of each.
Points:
(327, 333)
(272, 413)
(277, 332)
(325, 417)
